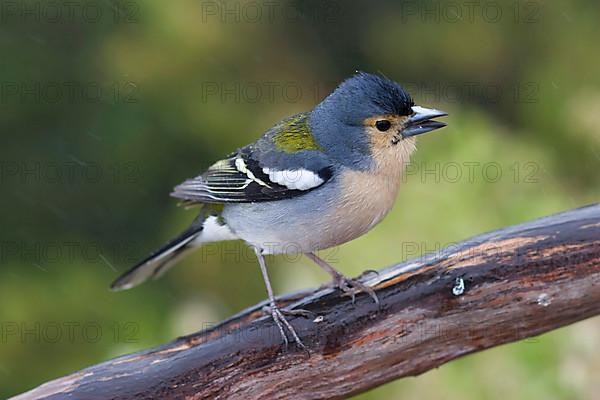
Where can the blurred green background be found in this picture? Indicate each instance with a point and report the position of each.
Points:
(105, 106)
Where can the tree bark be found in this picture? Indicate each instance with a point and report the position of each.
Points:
(495, 288)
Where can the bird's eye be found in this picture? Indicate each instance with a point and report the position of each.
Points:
(383, 125)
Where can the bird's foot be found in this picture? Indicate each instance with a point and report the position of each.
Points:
(348, 286)
(282, 323)
(353, 286)
(293, 313)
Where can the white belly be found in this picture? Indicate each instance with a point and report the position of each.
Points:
(323, 218)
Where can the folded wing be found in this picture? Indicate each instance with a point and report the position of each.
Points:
(285, 162)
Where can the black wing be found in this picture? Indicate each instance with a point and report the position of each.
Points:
(240, 178)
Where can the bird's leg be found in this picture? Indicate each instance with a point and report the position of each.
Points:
(276, 313)
(346, 285)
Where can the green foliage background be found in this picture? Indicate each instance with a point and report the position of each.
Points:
(522, 89)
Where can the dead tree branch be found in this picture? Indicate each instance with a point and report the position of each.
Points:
(495, 288)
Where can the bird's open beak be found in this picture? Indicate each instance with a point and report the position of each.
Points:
(420, 121)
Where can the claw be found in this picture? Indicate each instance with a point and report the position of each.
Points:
(298, 313)
(294, 313)
(346, 285)
(281, 322)
(353, 286)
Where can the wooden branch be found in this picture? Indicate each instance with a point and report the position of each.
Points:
(496, 288)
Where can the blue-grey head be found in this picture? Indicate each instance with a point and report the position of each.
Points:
(370, 122)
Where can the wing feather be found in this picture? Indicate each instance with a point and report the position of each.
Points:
(241, 179)
(284, 163)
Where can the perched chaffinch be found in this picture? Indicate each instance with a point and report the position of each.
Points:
(313, 181)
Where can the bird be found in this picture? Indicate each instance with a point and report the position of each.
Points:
(313, 181)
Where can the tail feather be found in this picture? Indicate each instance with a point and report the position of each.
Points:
(159, 261)
(207, 227)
